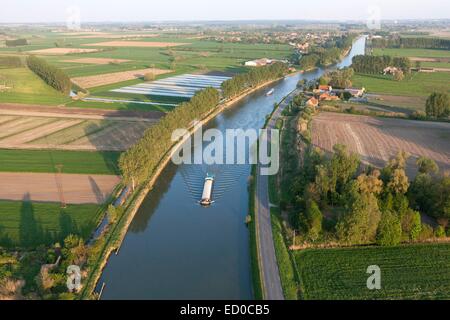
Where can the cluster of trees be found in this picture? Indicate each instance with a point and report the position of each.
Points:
(138, 163)
(53, 76)
(338, 78)
(16, 42)
(10, 62)
(253, 78)
(376, 64)
(41, 272)
(412, 42)
(331, 52)
(438, 105)
(336, 203)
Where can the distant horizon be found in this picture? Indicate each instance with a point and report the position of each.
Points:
(135, 11)
(230, 20)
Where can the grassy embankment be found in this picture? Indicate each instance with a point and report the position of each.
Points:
(284, 257)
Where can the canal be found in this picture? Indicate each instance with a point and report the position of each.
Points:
(176, 249)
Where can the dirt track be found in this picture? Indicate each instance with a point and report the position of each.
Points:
(77, 189)
(376, 140)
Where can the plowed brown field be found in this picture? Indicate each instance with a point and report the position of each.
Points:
(76, 188)
(378, 139)
(108, 78)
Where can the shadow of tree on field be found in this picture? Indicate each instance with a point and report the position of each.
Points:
(67, 225)
(30, 232)
(97, 191)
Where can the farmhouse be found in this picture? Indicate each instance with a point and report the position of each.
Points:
(258, 63)
(325, 88)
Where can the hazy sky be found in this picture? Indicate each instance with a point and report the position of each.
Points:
(157, 10)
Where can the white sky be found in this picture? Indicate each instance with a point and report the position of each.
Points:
(158, 10)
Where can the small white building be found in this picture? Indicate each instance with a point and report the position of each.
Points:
(258, 63)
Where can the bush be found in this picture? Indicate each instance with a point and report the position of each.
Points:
(427, 232)
(438, 105)
(389, 230)
(418, 115)
(440, 232)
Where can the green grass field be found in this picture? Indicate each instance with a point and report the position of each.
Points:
(28, 224)
(417, 84)
(23, 86)
(407, 272)
(46, 160)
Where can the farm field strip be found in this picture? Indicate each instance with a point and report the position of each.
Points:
(96, 60)
(116, 36)
(4, 120)
(129, 101)
(38, 132)
(184, 86)
(44, 216)
(44, 161)
(383, 138)
(110, 78)
(71, 134)
(45, 187)
(19, 125)
(61, 51)
(113, 138)
(142, 44)
(6, 111)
